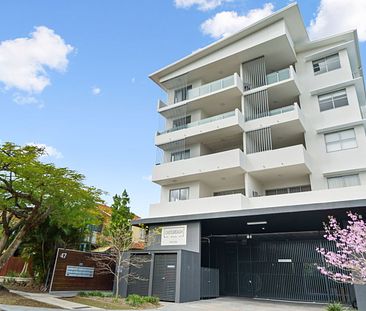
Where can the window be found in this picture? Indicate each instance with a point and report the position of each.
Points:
(181, 94)
(178, 194)
(181, 122)
(333, 100)
(228, 192)
(341, 140)
(326, 64)
(288, 190)
(180, 155)
(343, 181)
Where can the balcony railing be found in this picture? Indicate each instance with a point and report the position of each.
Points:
(272, 112)
(211, 87)
(199, 122)
(278, 76)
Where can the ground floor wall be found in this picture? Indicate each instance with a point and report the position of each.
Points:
(273, 266)
(261, 256)
(170, 275)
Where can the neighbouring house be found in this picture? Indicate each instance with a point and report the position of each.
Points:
(91, 239)
(138, 236)
(264, 138)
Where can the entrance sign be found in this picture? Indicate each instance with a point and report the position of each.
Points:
(174, 235)
(79, 271)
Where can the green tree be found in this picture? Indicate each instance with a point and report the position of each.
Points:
(32, 191)
(121, 213)
(42, 243)
(118, 237)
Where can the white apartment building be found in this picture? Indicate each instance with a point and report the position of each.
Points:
(264, 138)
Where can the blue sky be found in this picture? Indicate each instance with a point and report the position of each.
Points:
(94, 106)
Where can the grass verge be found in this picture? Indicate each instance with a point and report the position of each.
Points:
(7, 298)
(108, 303)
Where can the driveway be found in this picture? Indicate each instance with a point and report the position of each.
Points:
(219, 304)
(241, 304)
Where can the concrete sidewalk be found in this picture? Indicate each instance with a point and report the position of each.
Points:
(53, 300)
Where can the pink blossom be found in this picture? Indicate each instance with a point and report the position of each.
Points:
(348, 263)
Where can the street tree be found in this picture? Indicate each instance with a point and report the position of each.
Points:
(31, 191)
(118, 237)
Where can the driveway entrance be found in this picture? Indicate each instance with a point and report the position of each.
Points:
(241, 304)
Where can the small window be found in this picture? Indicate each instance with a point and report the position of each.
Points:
(343, 181)
(181, 122)
(326, 64)
(178, 194)
(180, 155)
(341, 140)
(181, 94)
(333, 100)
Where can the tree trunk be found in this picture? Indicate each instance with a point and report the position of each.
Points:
(4, 257)
(3, 241)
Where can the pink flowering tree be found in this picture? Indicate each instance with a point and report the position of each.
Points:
(348, 263)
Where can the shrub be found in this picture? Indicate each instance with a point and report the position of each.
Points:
(336, 306)
(151, 299)
(134, 300)
(137, 300)
(11, 274)
(95, 294)
(24, 274)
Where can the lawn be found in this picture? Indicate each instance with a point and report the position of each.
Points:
(7, 298)
(108, 303)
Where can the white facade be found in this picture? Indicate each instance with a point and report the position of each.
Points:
(263, 118)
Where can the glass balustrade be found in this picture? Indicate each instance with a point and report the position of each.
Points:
(278, 76)
(211, 87)
(199, 122)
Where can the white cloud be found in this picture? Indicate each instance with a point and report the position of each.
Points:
(27, 99)
(96, 90)
(24, 100)
(228, 22)
(24, 61)
(335, 16)
(133, 80)
(202, 5)
(49, 150)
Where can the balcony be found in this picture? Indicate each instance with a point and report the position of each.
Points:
(209, 97)
(237, 202)
(199, 122)
(230, 123)
(289, 116)
(207, 168)
(272, 165)
(281, 85)
(199, 206)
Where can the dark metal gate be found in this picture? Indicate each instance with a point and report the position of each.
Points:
(138, 281)
(275, 268)
(164, 276)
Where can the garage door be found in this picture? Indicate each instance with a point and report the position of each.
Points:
(276, 269)
(164, 277)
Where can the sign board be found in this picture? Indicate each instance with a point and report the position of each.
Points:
(79, 271)
(174, 235)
